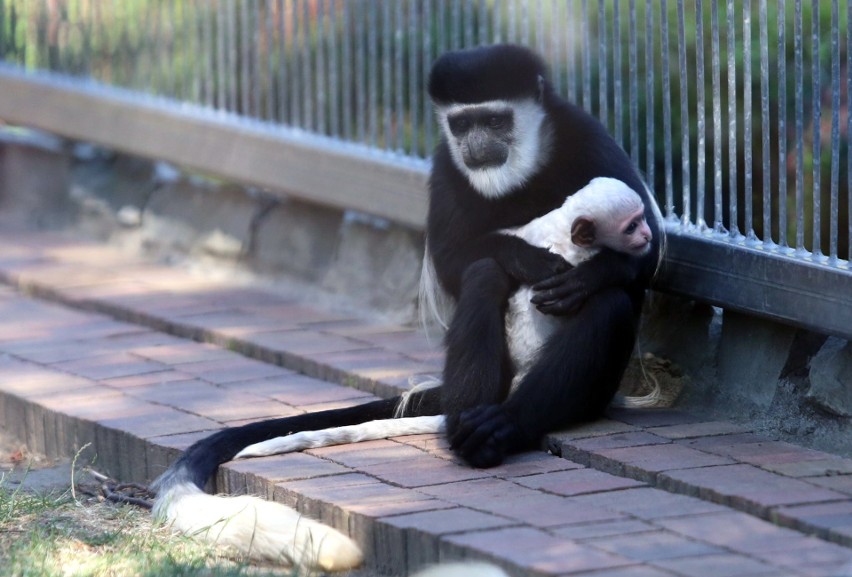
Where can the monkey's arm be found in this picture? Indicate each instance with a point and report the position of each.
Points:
(522, 262)
(565, 293)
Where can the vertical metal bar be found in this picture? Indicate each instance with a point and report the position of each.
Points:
(334, 85)
(539, 26)
(603, 91)
(373, 71)
(732, 120)
(386, 60)
(194, 89)
(718, 225)
(512, 23)
(399, 79)
(556, 26)
(649, 94)
(571, 54)
(633, 78)
(483, 22)
(233, 58)
(765, 125)
(417, 125)
(168, 14)
(684, 115)
(321, 74)
(221, 70)
(800, 129)
(428, 121)
(455, 25)
(849, 130)
(469, 21)
(346, 66)
(360, 74)
(748, 144)
(245, 57)
(817, 123)
(265, 70)
(497, 25)
(667, 107)
(782, 125)
(282, 75)
(257, 83)
(835, 130)
(296, 64)
(307, 80)
(212, 57)
(587, 57)
(441, 13)
(209, 52)
(617, 70)
(269, 46)
(5, 51)
(525, 23)
(701, 121)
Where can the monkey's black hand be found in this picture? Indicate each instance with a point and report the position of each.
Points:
(565, 293)
(485, 436)
(531, 264)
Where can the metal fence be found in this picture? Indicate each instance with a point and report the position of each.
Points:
(736, 111)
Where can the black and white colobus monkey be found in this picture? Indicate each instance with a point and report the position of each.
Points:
(511, 151)
(606, 213)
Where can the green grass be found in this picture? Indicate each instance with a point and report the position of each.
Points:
(54, 534)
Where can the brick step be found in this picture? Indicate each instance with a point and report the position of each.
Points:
(140, 360)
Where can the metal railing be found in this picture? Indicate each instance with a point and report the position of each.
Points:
(736, 111)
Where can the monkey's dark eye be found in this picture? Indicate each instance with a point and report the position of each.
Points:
(499, 121)
(631, 228)
(459, 125)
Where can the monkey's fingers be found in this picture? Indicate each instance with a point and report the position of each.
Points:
(556, 281)
(560, 295)
(489, 454)
(500, 438)
(469, 424)
(564, 307)
(493, 437)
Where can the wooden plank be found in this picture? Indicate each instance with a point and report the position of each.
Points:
(278, 159)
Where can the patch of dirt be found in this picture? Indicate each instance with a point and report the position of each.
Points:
(21, 467)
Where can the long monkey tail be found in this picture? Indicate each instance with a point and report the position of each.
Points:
(370, 431)
(398, 426)
(250, 526)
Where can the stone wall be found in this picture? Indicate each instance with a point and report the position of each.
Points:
(153, 207)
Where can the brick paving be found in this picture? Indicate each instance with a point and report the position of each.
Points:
(135, 361)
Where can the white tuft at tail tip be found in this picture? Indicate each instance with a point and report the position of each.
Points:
(255, 528)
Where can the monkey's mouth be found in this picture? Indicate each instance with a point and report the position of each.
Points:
(642, 250)
(483, 163)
